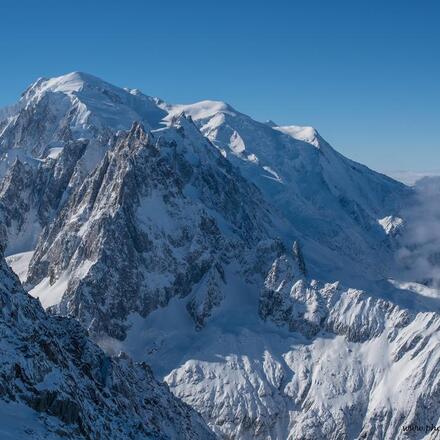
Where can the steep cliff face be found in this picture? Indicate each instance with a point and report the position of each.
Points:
(32, 193)
(19, 225)
(56, 383)
(153, 221)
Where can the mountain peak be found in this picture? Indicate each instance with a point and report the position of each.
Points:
(72, 82)
(77, 76)
(138, 132)
(203, 109)
(307, 134)
(271, 123)
(88, 105)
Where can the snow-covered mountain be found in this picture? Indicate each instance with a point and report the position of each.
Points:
(326, 197)
(56, 383)
(51, 112)
(249, 264)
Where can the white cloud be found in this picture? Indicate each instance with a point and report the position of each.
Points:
(420, 251)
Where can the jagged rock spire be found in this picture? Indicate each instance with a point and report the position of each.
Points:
(299, 258)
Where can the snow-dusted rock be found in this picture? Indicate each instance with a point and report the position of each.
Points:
(61, 385)
(152, 224)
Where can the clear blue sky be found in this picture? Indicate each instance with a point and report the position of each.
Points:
(365, 73)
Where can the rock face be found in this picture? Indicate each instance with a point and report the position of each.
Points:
(135, 226)
(249, 264)
(69, 388)
(18, 226)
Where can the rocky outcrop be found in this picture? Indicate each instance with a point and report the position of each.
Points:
(76, 391)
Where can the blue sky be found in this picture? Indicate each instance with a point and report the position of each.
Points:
(366, 74)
